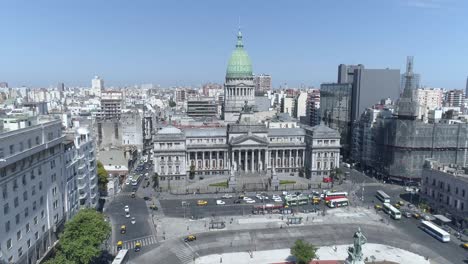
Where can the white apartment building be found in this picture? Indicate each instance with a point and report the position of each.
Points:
(97, 86)
(429, 99)
(80, 170)
(31, 158)
(300, 106)
(287, 105)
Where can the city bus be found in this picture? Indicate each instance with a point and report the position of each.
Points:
(122, 257)
(392, 211)
(338, 202)
(382, 196)
(335, 195)
(435, 231)
(296, 200)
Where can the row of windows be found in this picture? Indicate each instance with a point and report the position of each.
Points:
(325, 154)
(207, 140)
(327, 142)
(29, 161)
(6, 206)
(286, 139)
(447, 187)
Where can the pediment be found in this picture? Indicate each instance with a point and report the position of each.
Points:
(248, 141)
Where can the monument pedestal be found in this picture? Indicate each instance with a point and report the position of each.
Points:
(275, 182)
(232, 183)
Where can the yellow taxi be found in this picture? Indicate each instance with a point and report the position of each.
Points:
(378, 207)
(202, 202)
(119, 245)
(315, 200)
(401, 203)
(123, 229)
(137, 246)
(464, 245)
(397, 205)
(190, 238)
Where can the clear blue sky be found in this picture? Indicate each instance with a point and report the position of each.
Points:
(189, 42)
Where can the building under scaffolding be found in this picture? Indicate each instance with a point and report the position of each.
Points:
(402, 143)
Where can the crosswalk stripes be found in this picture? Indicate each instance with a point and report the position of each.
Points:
(130, 244)
(183, 252)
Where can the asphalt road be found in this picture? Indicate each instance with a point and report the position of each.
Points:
(174, 208)
(138, 209)
(176, 251)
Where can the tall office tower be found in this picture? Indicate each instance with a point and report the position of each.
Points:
(346, 72)
(262, 84)
(357, 89)
(466, 89)
(5, 84)
(97, 86)
(239, 86)
(32, 186)
(454, 98)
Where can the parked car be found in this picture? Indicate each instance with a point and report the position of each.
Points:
(226, 196)
(245, 198)
(146, 198)
(250, 201)
(190, 238)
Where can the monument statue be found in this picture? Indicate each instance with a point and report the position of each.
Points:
(355, 255)
(234, 167)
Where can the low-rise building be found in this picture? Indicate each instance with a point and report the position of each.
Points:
(445, 189)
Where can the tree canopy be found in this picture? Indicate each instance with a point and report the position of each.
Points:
(82, 237)
(303, 251)
(102, 177)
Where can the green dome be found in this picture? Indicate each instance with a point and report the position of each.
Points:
(239, 65)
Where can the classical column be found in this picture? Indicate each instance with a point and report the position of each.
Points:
(239, 160)
(245, 160)
(253, 160)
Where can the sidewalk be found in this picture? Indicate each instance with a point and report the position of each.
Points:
(374, 252)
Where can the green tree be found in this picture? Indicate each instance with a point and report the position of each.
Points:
(82, 237)
(102, 177)
(192, 172)
(303, 251)
(59, 259)
(172, 103)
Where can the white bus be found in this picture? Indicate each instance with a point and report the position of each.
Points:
(382, 196)
(392, 211)
(338, 202)
(122, 257)
(435, 231)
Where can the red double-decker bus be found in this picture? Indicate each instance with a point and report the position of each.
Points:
(335, 195)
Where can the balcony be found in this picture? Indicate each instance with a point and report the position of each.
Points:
(83, 195)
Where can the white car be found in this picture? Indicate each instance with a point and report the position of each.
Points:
(278, 200)
(127, 214)
(133, 221)
(259, 196)
(246, 198)
(127, 209)
(275, 196)
(265, 197)
(249, 201)
(226, 196)
(220, 202)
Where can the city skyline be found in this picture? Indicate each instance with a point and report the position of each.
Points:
(62, 42)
